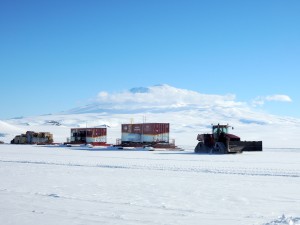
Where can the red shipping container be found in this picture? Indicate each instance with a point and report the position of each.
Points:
(90, 132)
(146, 128)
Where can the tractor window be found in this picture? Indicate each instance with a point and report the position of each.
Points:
(220, 130)
(224, 129)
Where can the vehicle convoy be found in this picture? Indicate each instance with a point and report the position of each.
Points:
(221, 142)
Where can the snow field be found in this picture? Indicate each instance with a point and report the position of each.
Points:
(54, 185)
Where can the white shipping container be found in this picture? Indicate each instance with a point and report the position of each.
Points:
(130, 137)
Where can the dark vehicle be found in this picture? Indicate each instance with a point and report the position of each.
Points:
(221, 142)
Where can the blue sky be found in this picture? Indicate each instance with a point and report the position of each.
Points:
(55, 55)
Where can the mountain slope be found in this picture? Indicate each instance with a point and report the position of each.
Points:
(8, 130)
(188, 113)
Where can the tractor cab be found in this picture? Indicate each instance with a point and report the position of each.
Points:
(219, 130)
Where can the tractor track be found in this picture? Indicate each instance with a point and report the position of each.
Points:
(208, 168)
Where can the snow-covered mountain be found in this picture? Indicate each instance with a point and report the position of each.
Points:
(188, 113)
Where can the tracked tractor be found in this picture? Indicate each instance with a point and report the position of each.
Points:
(222, 142)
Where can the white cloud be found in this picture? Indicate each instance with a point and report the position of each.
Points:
(279, 98)
(258, 101)
(160, 96)
(102, 94)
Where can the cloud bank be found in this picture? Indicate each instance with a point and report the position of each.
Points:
(157, 98)
(164, 97)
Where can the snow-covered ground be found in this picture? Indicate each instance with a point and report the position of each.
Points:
(56, 185)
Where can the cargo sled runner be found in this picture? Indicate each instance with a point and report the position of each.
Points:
(221, 142)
